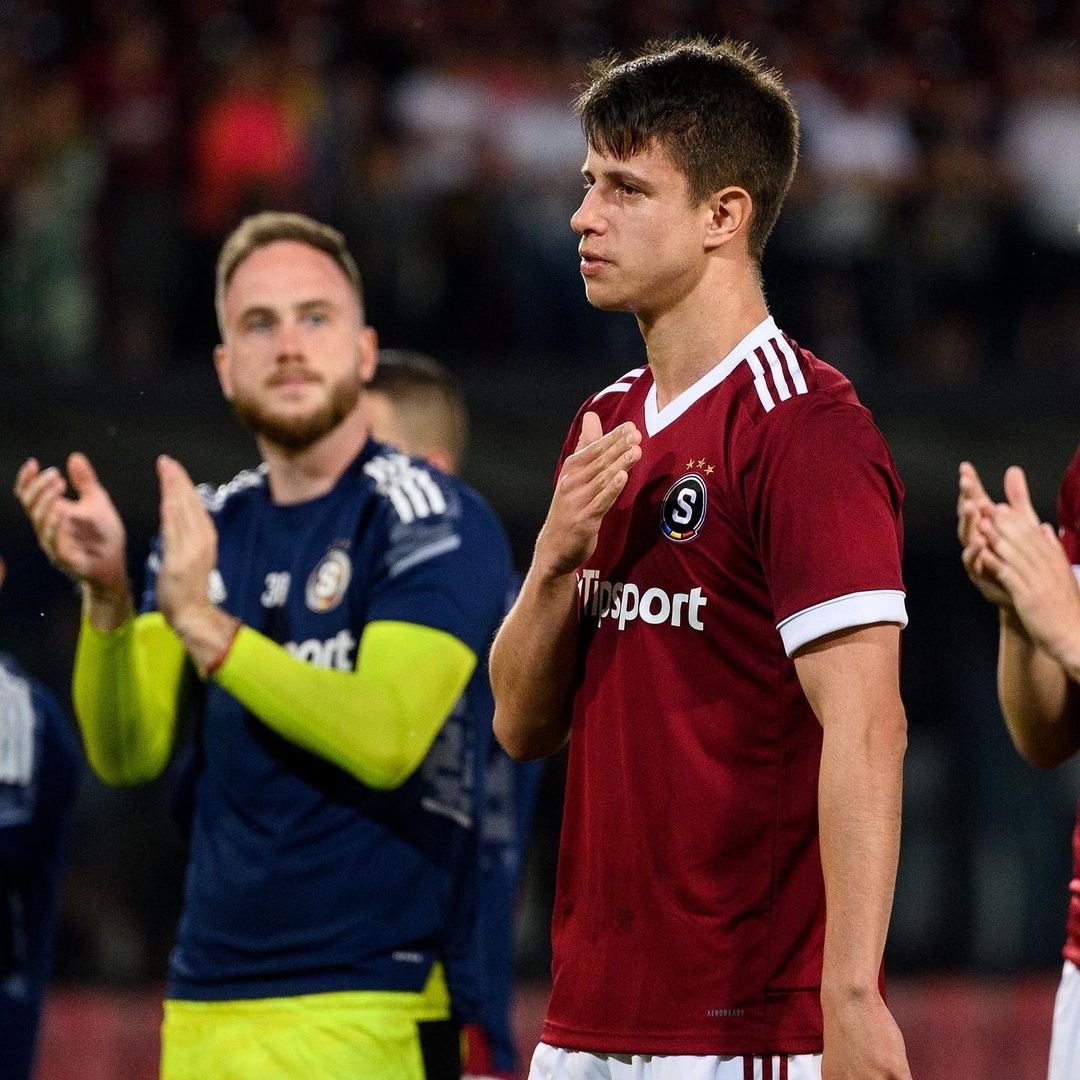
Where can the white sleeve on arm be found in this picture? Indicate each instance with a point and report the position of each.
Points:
(843, 613)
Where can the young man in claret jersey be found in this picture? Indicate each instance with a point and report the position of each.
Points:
(712, 617)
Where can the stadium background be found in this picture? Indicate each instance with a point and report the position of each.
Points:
(930, 249)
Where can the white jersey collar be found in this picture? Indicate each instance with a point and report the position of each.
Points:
(658, 419)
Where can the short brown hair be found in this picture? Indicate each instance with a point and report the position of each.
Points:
(721, 115)
(427, 400)
(259, 230)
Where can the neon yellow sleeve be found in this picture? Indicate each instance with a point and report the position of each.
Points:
(376, 722)
(125, 689)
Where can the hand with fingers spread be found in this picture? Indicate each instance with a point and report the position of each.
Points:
(972, 506)
(588, 486)
(82, 536)
(1027, 558)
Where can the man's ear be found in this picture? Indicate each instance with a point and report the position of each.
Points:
(367, 353)
(731, 209)
(224, 373)
(441, 459)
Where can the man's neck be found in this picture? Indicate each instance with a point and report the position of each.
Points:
(297, 476)
(689, 340)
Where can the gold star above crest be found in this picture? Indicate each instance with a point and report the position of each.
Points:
(700, 465)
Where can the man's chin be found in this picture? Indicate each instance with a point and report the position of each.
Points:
(296, 431)
(291, 437)
(604, 300)
(289, 432)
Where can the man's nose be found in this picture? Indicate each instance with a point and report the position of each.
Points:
(585, 218)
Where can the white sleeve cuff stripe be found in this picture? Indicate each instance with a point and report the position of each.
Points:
(842, 613)
(1076, 573)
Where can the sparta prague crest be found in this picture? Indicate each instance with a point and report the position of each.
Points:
(683, 509)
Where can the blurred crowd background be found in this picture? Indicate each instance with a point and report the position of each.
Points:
(930, 249)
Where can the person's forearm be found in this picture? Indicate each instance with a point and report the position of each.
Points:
(533, 666)
(1039, 700)
(106, 609)
(207, 633)
(376, 722)
(1064, 647)
(859, 799)
(125, 690)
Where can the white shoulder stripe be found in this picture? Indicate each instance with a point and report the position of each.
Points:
(409, 487)
(773, 379)
(771, 355)
(622, 384)
(792, 363)
(760, 385)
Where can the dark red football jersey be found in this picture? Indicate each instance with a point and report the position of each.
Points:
(1068, 515)
(763, 514)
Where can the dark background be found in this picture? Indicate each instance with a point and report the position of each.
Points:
(929, 249)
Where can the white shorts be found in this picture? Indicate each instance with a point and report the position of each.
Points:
(1065, 1037)
(550, 1063)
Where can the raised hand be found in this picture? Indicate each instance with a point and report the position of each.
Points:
(1026, 556)
(973, 505)
(82, 536)
(188, 545)
(588, 486)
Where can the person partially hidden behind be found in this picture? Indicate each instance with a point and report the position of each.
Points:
(414, 403)
(39, 781)
(1030, 572)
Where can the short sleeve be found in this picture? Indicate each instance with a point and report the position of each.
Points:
(824, 500)
(449, 569)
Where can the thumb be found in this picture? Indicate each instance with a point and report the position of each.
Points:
(970, 483)
(1016, 491)
(1048, 531)
(591, 430)
(171, 474)
(81, 474)
(174, 480)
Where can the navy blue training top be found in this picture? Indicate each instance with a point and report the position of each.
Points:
(300, 878)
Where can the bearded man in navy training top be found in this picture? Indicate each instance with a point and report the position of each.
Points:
(324, 612)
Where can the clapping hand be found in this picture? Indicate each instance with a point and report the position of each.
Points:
(83, 536)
